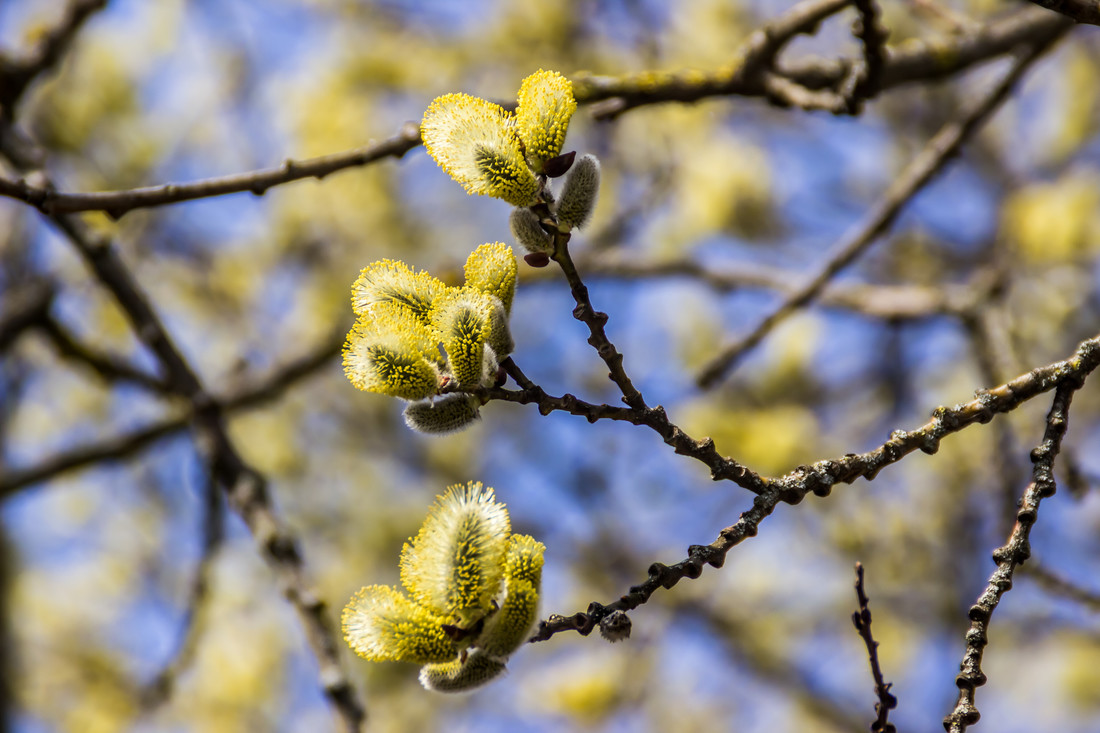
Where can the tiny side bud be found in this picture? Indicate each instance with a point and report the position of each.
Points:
(615, 626)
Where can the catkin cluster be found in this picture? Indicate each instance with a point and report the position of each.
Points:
(415, 336)
(473, 591)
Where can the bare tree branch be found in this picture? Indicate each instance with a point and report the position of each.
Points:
(24, 309)
(820, 477)
(797, 82)
(918, 61)
(117, 203)
(106, 365)
(1013, 553)
(595, 321)
(924, 167)
(867, 77)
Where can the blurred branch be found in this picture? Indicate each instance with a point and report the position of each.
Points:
(924, 167)
(1013, 553)
(104, 364)
(118, 203)
(1056, 584)
(244, 487)
(160, 688)
(24, 309)
(820, 477)
(17, 75)
(888, 302)
(865, 79)
(918, 61)
(29, 309)
(862, 620)
(1082, 11)
(261, 391)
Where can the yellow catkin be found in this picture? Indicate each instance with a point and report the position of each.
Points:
(454, 565)
(381, 624)
(492, 269)
(474, 142)
(545, 107)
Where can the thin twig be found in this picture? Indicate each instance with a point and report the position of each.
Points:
(912, 62)
(1013, 553)
(595, 321)
(820, 477)
(721, 467)
(923, 168)
(862, 621)
(118, 203)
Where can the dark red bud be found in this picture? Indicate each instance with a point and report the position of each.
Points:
(537, 259)
(558, 166)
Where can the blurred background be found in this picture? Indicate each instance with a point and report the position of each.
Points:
(1000, 254)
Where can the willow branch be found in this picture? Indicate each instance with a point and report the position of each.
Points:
(24, 309)
(118, 203)
(108, 366)
(1007, 557)
(820, 477)
(916, 175)
(595, 320)
(866, 78)
(721, 467)
(913, 62)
